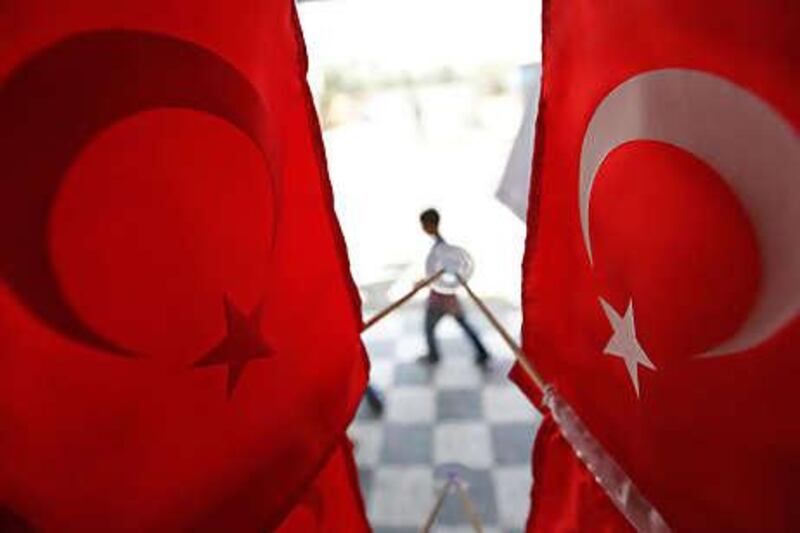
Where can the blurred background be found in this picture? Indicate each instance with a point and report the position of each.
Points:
(420, 103)
(432, 104)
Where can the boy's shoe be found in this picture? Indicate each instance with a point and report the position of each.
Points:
(427, 359)
(484, 361)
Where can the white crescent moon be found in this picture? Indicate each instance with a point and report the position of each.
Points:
(746, 141)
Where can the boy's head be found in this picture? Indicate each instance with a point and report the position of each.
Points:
(430, 221)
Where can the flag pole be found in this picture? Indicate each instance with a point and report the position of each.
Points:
(437, 507)
(515, 348)
(624, 494)
(469, 507)
(410, 294)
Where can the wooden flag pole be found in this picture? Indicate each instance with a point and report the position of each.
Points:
(436, 507)
(509, 340)
(454, 481)
(469, 507)
(518, 353)
(633, 505)
(418, 287)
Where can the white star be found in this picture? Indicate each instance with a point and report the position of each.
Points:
(624, 344)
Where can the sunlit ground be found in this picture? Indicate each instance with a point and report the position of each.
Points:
(420, 102)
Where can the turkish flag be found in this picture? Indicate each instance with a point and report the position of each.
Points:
(662, 274)
(333, 502)
(179, 334)
(565, 496)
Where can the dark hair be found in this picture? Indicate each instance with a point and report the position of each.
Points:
(429, 216)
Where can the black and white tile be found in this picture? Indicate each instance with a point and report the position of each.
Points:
(454, 416)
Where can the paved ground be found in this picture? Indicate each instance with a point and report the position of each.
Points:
(451, 417)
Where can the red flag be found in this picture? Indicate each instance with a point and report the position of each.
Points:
(333, 502)
(662, 274)
(565, 496)
(179, 334)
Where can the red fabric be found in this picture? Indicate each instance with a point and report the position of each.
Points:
(712, 442)
(179, 334)
(333, 502)
(564, 495)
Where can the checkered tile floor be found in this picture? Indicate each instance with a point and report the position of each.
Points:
(451, 417)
